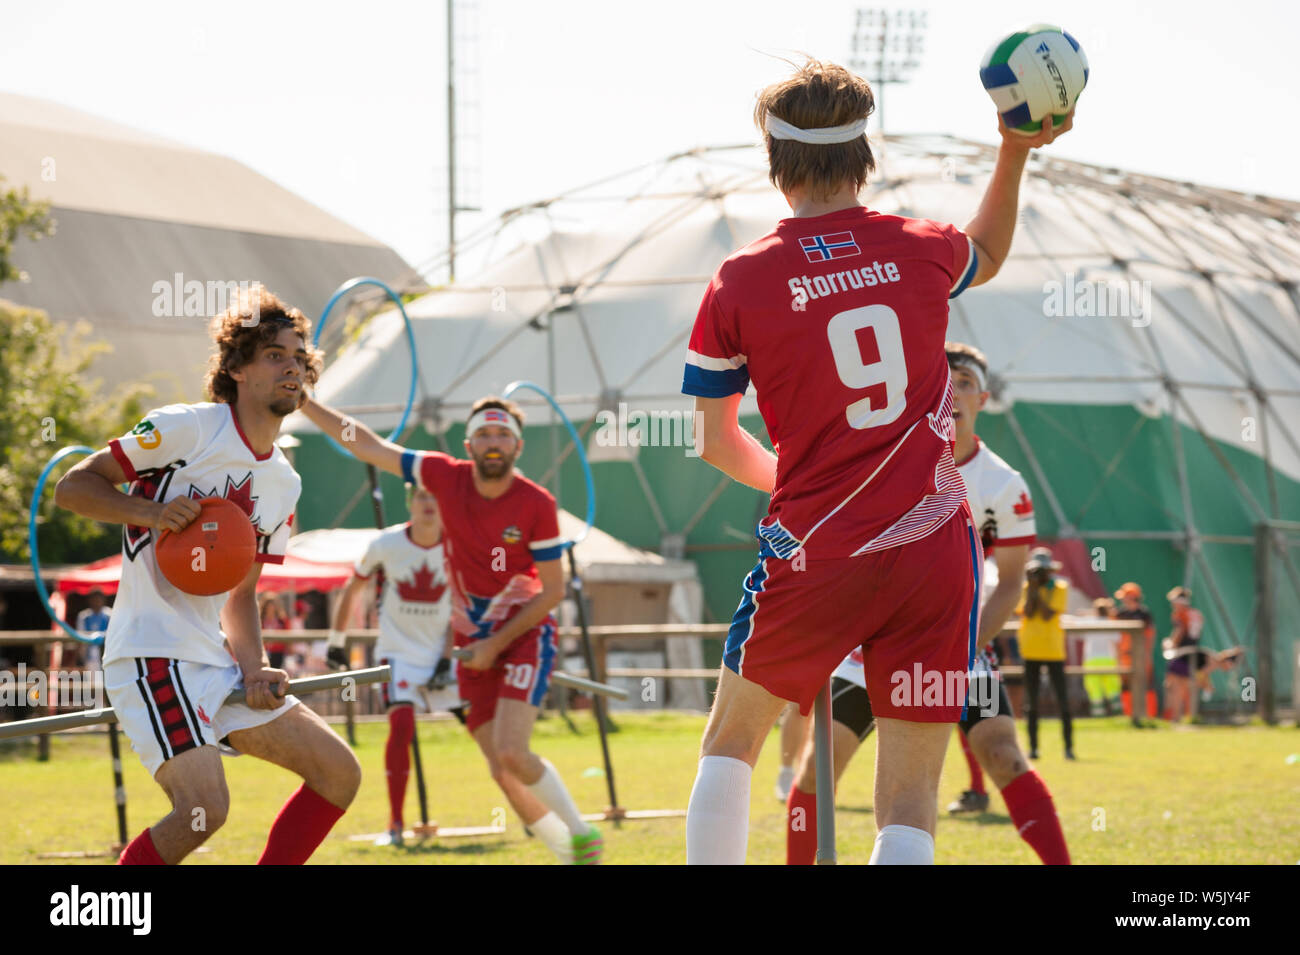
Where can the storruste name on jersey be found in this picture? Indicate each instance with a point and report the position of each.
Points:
(804, 288)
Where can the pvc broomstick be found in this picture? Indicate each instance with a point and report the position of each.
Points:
(105, 714)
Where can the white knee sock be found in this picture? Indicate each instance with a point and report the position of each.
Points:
(556, 836)
(554, 796)
(903, 845)
(717, 819)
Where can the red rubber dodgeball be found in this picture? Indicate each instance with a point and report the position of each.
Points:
(213, 553)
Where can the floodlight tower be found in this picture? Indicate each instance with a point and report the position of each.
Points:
(887, 46)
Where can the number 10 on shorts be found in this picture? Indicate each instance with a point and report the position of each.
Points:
(519, 675)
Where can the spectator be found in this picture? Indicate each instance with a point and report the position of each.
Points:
(1131, 607)
(298, 651)
(1042, 642)
(274, 618)
(93, 622)
(1099, 647)
(1182, 650)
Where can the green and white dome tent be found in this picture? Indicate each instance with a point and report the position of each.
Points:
(1143, 338)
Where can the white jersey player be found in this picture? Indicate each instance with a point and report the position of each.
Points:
(409, 563)
(1004, 514)
(171, 658)
(190, 451)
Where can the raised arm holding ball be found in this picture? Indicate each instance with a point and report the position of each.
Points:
(838, 317)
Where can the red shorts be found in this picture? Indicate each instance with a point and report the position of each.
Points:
(913, 609)
(522, 672)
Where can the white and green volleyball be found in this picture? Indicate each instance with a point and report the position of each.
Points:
(1032, 73)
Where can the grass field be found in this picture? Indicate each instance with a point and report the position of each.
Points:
(1175, 795)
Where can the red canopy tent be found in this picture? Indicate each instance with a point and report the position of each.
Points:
(294, 574)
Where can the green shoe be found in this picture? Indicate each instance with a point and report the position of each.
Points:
(588, 848)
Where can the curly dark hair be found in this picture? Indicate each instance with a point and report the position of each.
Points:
(251, 322)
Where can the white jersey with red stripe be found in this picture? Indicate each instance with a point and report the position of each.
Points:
(191, 451)
(839, 320)
(1004, 514)
(415, 605)
(999, 500)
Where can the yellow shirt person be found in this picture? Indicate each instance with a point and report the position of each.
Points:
(1044, 639)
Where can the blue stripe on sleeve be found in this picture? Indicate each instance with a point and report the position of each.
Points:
(408, 468)
(703, 383)
(971, 268)
(548, 553)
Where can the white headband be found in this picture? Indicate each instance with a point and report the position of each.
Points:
(963, 361)
(778, 128)
(493, 418)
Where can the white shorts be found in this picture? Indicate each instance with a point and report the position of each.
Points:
(408, 686)
(167, 707)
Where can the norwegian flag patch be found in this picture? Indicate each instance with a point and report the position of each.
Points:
(822, 248)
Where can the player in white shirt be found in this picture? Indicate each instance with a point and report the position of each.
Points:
(1000, 504)
(414, 613)
(171, 658)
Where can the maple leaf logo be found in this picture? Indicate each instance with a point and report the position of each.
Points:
(204, 717)
(421, 589)
(240, 494)
(1024, 505)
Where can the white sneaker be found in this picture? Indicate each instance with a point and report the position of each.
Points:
(393, 837)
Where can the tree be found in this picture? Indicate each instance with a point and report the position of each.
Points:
(19, 215)
(47, 403)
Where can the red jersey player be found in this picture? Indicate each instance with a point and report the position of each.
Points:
(503, 541)
(838, 317)
(1000, 504)
(170, 658)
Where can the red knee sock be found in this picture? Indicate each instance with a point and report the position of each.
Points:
(976, 773)
(303, 823)
(397, 759)
(141, 851)
(801, 828)
(1034, 815)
